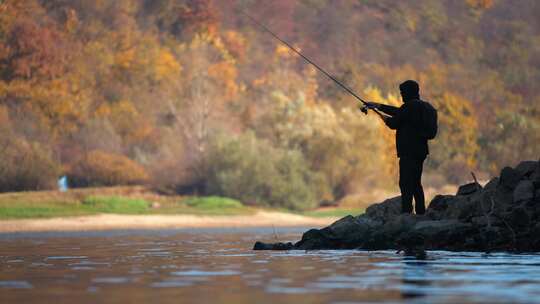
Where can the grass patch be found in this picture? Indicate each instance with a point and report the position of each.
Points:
(212, 202)
(115, 204)
(90, 205)
(213, 205)
(22, 211)
(79, 202)
(337, 212)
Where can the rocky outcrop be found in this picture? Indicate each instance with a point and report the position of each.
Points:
(504, 215)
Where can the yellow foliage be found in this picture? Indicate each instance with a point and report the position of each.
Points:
(235, 43)
(72, 20)
(130, 124)
(56, 104)
(339, 143)
(411, 22)
(218, 44)
(388, 153)
(259, 81)
(103, 110)
(282, 51)
(458, 130)
(124, 59)
(100, 52)
(312, 85)
(166, 65)
(3, 89)
(203, 40)
(226, 73)
(123, 115)
(4, 116)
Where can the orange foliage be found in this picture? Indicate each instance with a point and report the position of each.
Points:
(235, 44)
(226, 73)
(34, 50)
(199, 16)
(480, 4)
(100, 168)
(166, 65)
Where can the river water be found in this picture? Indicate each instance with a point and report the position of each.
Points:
(218, 266)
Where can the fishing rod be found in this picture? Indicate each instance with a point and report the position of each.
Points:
(359, 99)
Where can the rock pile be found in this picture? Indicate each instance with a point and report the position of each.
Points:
(504, 215)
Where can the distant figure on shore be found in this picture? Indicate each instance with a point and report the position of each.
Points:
(62, 184)
(415, 123)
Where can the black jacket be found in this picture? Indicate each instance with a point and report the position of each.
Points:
(407, 121)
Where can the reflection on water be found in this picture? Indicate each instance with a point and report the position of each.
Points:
(218, 266)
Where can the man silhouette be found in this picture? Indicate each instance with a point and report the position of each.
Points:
(411, 145)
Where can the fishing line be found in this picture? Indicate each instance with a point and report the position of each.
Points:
(347, 89)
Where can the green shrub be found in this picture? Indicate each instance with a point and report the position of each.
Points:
(212, 202)
(256, 173)
(115, 204)
(46, 210)
(26, 165)
(98, 168)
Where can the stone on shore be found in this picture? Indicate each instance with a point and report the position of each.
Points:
(504, 215)
(468, 188)
(272, 246)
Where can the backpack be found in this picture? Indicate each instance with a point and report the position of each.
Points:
(429, 121)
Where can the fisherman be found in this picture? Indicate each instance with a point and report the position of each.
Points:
(411, 142)
(415, 123)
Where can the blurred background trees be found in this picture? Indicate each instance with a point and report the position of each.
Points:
(187, 95)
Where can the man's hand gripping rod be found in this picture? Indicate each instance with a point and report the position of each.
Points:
(366, 105)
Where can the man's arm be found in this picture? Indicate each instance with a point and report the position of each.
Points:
(386, 109)
(393, 122)
(402, 115)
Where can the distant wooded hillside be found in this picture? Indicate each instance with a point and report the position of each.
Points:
(188, 95)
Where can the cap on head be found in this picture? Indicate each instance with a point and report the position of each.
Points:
(410, 90)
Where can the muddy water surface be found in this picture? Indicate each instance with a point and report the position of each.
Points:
(218, 266)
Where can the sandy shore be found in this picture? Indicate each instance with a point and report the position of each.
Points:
(113, 221)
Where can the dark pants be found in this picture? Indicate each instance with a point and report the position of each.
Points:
(410, 183)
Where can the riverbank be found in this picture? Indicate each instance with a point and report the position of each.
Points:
(136, 207)
(119, 221)
(134, 200)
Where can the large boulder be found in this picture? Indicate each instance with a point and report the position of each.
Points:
(518, 218)
(509, 178)
(429, 226)
(399, 224)
(314, 239)
(386, 210)
(348, 225)
(468, 188)
(272, 246)
(524, 191)
(348, 232)
(503, 195)
(526, 168)
(535, 176)
(438, 206)
(461, 207)
(504, 215)
(492, 184)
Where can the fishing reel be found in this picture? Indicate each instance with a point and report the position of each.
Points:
(364, 109)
